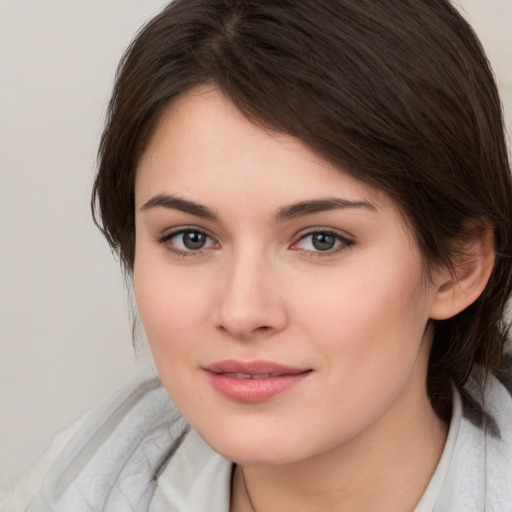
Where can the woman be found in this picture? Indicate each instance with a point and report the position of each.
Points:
(313, 200)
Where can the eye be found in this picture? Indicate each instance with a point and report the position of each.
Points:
(322, 242)
(187, 240)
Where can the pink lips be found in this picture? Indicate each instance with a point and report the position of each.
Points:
(254, 381)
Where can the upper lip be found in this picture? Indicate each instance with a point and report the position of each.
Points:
(254, 368)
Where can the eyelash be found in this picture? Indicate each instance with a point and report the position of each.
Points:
(165, 241)
(344, 243)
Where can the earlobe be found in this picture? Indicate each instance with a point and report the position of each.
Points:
(472, 267)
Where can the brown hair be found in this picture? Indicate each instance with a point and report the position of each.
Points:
(398, 93)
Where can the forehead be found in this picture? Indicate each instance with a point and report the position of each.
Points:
(202, 140)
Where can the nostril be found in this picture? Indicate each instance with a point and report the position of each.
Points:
(263, 328)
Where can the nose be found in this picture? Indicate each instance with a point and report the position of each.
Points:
(251, 302)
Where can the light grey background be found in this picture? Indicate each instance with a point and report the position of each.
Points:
(65, 335)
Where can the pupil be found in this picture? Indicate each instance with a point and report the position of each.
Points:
(194, 240)
(323, 241)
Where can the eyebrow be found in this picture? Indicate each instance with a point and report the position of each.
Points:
(177, 203)
(292, 211)
(320, 205)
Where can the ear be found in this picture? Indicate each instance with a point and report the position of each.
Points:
(459, 287)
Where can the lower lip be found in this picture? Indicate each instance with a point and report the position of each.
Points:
(254, 390)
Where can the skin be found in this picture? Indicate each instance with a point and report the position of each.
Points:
(358, 433)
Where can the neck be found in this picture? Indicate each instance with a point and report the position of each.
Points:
(387, 468)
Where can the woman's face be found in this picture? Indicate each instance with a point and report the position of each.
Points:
(284, 301)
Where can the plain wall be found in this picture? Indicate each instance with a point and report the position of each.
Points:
(65, 335)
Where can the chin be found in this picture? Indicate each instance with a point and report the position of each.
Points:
(257, 448)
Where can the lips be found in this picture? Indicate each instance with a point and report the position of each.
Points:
(254, 381)
(249, 376)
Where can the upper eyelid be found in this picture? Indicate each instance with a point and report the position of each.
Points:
(170, 232)
(164, 240)
(321, 229)
(338, 237)
(345, 239)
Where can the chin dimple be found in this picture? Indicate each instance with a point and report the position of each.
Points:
(244, 376)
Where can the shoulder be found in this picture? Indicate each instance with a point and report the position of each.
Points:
(15, 495)
(116, 453)
(498, 446)
(480, 473)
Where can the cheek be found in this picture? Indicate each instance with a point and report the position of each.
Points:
(369, 332)
(169, 305)
(365, 297)
(169, 317)
(371, 321)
